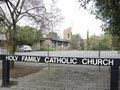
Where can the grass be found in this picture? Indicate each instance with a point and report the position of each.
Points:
(47, 49)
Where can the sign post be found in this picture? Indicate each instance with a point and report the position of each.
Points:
(114, 78)
(5, 73)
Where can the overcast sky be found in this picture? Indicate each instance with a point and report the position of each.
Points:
(79, 19)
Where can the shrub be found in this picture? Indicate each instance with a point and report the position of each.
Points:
(105, 47)
(79, 48)
(46, 49)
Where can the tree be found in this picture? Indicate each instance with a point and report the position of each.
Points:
(88, 42)
(94, 42)
(106, 41)
(108, 11)
(27, 35)
(53, 35)
(102, 42)
(116, 43)
(77, 42)
(12, 11)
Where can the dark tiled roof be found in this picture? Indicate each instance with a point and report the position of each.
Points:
(62, 40)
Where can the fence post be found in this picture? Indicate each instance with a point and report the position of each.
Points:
(48, 56)
(114, 77)
(5, 73)
(99, 55)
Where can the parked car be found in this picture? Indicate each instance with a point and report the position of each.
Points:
(25, 48)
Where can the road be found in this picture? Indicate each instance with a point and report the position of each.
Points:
(94, 54)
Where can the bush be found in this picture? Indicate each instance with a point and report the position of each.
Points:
(79, 48)
(105, 47)
(46, 49)
(116, 48)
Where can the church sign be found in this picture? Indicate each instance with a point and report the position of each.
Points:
(60, 60)
(113, 62)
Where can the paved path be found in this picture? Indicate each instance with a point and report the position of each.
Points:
(65, 77)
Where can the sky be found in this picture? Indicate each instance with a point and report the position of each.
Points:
(78, 19)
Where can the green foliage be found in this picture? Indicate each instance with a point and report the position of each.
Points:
(104, 42)
(53, 35)
(39, 36)
(27, 35)
(117, 48)
(116, 42)
(107, 11)
(94, 42)
(105, 47)
(11, 12)
(47, 49)
(79, 48)
(88, 42)
(77, 42)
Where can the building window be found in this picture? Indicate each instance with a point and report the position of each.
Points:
(65, 44)
(68, 35)
(54, 44)
(59, 43)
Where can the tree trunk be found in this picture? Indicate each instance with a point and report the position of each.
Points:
(10, 51)
(12, 41)
(11, 45)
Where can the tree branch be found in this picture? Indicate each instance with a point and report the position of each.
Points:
(16, 6)
(4, 18)
(20, 18)
(15, 10)
(22, 3)
(8, 7)
(33, 9)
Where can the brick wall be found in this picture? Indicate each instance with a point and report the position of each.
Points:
(67, 34)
